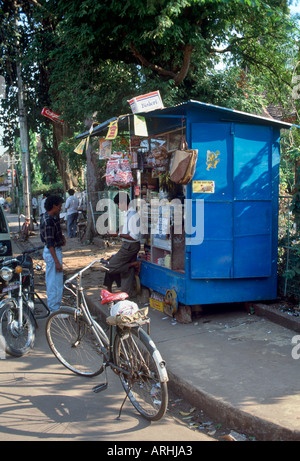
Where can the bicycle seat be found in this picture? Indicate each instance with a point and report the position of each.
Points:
(107, 296)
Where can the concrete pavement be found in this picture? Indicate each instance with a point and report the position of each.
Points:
(241, 369)
(237, 367)
(40, 400)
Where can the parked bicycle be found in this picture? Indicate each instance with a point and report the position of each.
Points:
(82, 346)
(18, 297)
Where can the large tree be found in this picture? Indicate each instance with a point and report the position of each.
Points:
(23, 23)
(85, 58)
(171, 45)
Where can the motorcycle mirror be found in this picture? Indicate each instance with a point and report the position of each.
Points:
(38, 267)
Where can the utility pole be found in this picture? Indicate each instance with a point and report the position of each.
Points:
(24, 148)
(23, 132)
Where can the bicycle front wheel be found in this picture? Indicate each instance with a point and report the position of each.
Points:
(18, 337)
(144, 377)
(73, 342)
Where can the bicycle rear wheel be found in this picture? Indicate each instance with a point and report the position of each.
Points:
(73, 342)
(146, 385)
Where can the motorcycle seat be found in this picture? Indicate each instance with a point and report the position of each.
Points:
(27, 261)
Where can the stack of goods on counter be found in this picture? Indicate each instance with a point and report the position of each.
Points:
(164, 261)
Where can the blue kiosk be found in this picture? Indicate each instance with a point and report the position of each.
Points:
(235, 190)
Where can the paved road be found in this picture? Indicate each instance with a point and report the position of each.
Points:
(41, 400)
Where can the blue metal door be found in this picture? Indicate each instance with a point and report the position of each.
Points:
(252, 159)
(233, 177)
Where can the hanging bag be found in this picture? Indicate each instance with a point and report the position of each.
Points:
(191, 167)
(183, 164)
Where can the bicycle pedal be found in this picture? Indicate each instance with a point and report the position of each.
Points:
(100, 388)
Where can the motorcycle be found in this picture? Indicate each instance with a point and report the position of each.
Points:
(17, 316)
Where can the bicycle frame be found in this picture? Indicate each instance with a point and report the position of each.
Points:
(126, 348)
(82, 309)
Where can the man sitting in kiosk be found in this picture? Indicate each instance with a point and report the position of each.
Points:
(124, 263)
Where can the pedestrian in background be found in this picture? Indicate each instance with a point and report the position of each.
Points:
(8, 201)
(71, 207)
(42, 203)
(34, 209)
(52, 237)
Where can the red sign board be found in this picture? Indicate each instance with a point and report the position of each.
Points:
(52, 115)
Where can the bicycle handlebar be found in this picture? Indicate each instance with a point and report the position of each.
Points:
(84, 269)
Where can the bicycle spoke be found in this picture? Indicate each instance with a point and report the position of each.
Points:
(74, 344)
(145, 391)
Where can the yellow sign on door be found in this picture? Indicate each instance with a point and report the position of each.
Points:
(203, 187)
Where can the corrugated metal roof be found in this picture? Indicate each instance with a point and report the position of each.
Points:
(242, 114)
(182, 109)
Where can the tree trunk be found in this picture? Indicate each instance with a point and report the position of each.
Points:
(297, 194)
(91, 184)
(69, 180)
(94, 182)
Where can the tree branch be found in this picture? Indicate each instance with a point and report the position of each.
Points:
(185, 65)
(151, 66)
(178, 77)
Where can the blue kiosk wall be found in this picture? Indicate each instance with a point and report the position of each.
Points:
(238, 156)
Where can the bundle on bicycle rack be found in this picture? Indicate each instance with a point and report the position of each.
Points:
(139, 317)
(124, 311)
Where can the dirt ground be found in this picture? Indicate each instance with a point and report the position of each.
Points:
(76, 256)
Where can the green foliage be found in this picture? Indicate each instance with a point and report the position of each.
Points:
(110, 51)
(290, 153)
(76, 161)
(53, 188)
(84, 58)
(289, 215)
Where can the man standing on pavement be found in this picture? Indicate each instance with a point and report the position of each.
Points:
(52, 237)
(124, 263)
(71, 206)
